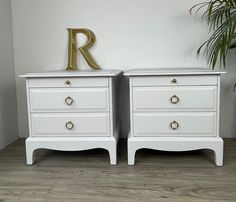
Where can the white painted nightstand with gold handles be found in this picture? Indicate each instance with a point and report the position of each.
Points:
(174, 109)
(72, 111)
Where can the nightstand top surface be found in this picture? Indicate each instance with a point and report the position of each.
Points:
(170, 71)
(77, 73)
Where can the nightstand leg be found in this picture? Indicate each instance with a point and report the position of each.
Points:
(218, 151)
(30, 153)
(131, 154)
(112, 154)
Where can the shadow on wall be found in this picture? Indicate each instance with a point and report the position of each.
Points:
(228, 99)
(123, 106)
(8, 115)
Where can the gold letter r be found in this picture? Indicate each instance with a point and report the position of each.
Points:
(72, 48)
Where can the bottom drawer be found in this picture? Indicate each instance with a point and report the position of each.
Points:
(88, 125)
(174, 124)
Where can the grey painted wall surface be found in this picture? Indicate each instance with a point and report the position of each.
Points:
(8, 108)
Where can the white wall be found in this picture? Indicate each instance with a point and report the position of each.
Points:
(8, 110)
(130, 34)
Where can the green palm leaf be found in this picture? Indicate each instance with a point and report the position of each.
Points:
(221, 17)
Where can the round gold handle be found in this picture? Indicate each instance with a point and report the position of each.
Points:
(173, 81)
(174, 99)
(67, 82)
(69, 101)
(174, 125)
(69, 125)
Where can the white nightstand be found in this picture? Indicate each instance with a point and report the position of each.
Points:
(174, 109)
(72, 111)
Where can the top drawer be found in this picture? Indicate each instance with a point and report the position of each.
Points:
(68, 82)
(175, 80)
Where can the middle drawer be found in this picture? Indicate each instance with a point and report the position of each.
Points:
(187, 98)
(69, 100)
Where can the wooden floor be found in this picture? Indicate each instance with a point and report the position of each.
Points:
(87, 176)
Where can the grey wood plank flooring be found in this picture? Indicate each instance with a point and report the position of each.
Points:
(88, 176)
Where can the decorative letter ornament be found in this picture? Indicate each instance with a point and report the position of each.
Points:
(72, 48)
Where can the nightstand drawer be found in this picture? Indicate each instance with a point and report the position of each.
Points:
(90, 124)
(68, 82)
(175, 80)
(175, 124)
(175, 98)
(69, 100)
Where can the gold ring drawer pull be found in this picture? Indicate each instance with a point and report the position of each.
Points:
(69, 101)
(174, 99)
(174, 125)
(69, 125)
(173, 81)
(67, 82)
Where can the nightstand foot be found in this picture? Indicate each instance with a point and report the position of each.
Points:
(30, 153)
(112, 154)
(218, 152)
(131, 152)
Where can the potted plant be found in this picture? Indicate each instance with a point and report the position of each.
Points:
(221, 17)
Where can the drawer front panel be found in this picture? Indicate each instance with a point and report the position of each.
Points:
(79, 99)
(68, 82)
(175, 80)
(88, 125)
(174, 124)
(174, 98)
